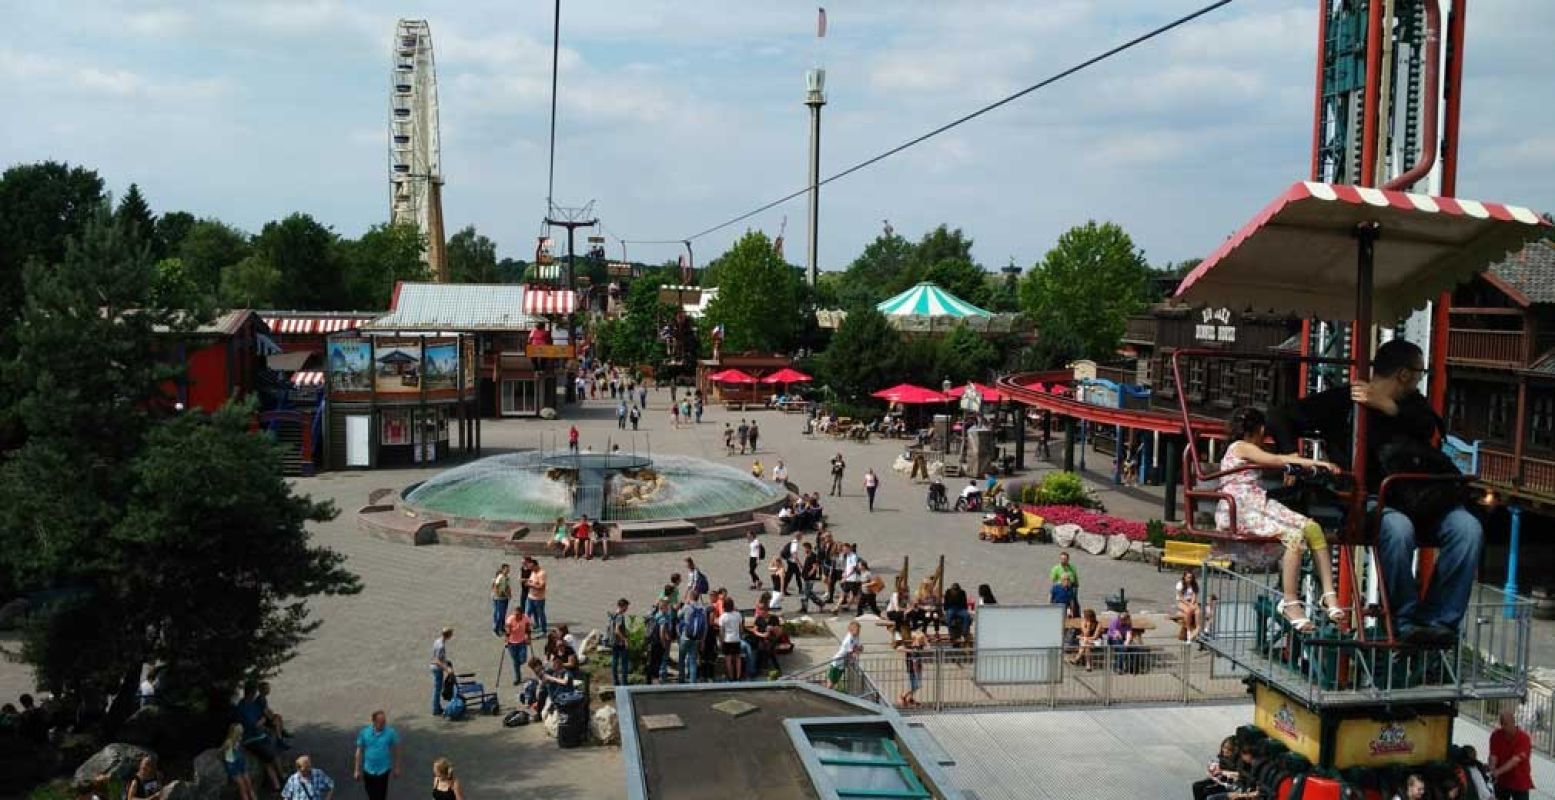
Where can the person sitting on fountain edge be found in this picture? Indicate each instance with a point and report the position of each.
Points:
(1399, 421)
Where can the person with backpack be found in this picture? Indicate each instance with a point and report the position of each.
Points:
(661, 634)
(743, 433)
(793, 557)
(635, 414)
(695, 578)
(615, 638)
(758, 552)
(693, 629)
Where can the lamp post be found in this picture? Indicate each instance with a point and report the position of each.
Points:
(815, 97)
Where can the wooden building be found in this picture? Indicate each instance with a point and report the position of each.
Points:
(1255, 376)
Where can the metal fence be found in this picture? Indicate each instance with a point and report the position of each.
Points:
(947, 678)
(1535, 714)
(1489, 660)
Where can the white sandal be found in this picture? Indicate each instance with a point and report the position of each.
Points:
(1336, 612)
(1301, 624)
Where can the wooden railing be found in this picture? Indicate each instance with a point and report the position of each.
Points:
(1534, 475)
(1501, 348)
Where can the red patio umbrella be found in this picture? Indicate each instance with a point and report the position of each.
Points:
(731, 376)
(786, 376)
(908, 394)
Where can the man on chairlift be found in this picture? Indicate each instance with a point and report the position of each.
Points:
(1401, 428)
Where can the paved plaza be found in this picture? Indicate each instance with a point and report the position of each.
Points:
(371, 650)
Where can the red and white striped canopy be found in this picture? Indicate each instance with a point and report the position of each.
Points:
(308, 377)
(304, 325)
(1298, 255)
(539, 301)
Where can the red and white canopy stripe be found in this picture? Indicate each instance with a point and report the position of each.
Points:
(304, 325)
(1298, 254)
(539, 301)
(308, 377)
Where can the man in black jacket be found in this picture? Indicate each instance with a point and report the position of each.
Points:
(1397, 413)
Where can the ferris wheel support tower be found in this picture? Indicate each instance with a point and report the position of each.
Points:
(415, 152)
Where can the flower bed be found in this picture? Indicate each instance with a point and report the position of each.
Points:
(1091, 521)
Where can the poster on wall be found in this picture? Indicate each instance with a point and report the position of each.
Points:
(397, 366)
(350, 365)
(441, 367)
(396, 428)
(467, 359)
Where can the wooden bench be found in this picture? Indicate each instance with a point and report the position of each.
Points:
(1141, 622)
(1187, 554)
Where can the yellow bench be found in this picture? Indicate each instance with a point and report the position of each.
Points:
(1187, 554)
(1030, 527)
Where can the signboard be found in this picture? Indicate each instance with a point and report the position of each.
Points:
(441, 368)
(972, 400)
(1084, 370)
(397, 366)
(1215, 326)
(618, 269)
(1375, 743)
(1287, 723)
(1018, 644)
(548, 350)
(349, 363)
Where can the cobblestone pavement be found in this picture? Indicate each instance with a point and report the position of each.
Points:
(371, 650)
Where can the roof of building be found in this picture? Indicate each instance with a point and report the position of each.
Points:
(455, 307)
(1529, 272)
(226, 323)
(293, 323)
(759, 759)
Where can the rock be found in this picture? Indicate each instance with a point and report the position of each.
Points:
(118, 761)
(604, 726)
(1063, 535)
(548, 413)
(210, 776)
(1117, 545)
(1136, 551)
(1093, 543)
(550, 720)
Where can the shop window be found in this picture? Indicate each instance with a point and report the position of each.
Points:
(1263, 384)
(1198, 377)
(1457, 408)
(1227, 390)
(396, 427)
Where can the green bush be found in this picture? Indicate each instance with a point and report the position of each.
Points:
(1065, 489)
(1155, 533)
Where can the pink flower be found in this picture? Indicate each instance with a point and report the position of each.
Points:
(1091, 521)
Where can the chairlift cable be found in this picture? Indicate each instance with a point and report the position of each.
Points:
(556, 45)
(1048, 81)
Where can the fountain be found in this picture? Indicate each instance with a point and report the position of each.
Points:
(512, 501)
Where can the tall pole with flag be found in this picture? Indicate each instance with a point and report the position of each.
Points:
(815, 97)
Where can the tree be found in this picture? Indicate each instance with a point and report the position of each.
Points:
(234, 565)
(758, 300)
(937, 246)
(865, 355)
(870, 277)
(961, 278)
(384, 255)
(1086, 287)
(41, 207)
(472, 258)
(966, 355)
(251, 283)
(302, 252)
(634, 338)
(210, 247)
(88, 386)
(172, 228)
(134, 214)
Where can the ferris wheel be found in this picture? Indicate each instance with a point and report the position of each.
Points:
(415, 156)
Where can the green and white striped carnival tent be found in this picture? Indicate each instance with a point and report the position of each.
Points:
(929, 300)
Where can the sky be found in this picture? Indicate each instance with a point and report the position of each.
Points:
(676, 115)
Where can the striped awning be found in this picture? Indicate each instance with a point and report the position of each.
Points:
(929, 300)
(539, 301)
(308, 377)
(287, 326)
(1299, 254)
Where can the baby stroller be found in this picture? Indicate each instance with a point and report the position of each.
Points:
(938, 501)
